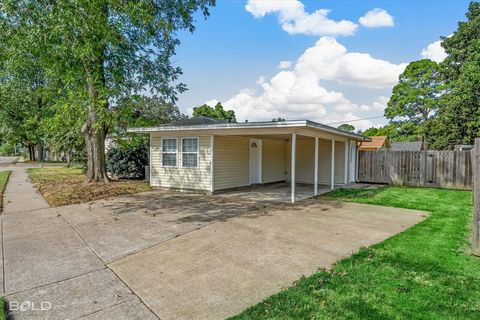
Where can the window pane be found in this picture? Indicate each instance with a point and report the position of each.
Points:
(189, 160)
(189, 145)
(169, 145)
(169, 159)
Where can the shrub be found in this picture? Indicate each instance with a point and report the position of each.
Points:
(128, 160)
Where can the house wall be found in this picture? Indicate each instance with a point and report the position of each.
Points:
(231, 162)
(273, 160)
(306, 160)
(178, 177)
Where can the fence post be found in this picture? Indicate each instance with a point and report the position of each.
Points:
(476, 198)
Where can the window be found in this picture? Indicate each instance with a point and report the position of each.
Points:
(190, 152)
(169, 152)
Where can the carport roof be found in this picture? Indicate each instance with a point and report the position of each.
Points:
(252, 125)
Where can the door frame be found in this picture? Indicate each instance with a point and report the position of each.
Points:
(352, 162)
(259, 164)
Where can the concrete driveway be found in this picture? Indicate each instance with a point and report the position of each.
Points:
(173, 255)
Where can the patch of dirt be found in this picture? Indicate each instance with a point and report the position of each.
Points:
(64, 186)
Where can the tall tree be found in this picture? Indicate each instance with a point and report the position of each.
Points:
(416, 96)
(104, 50)
(458, 121)
(346, 127)
(24, 92)
(217, 112)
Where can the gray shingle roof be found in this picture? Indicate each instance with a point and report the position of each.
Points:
(407, 146)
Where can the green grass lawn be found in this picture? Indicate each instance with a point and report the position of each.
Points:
(3, 182)
(425, 272)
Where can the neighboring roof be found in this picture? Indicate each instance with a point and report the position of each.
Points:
(407, 146)
(377, 142)
(250, 125)
(461, 147)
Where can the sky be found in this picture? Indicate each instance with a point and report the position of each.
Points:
(328, 61)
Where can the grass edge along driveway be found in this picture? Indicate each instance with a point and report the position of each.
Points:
(3, 183)
(425, 272)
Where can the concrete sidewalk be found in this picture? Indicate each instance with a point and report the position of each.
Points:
(46, 260)
(20, 195)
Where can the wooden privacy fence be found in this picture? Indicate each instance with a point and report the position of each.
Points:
(438, 169)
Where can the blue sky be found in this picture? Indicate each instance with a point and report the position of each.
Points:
(346, 69)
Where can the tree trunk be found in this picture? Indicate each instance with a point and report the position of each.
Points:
(69, 158)
(40, 151)
(95, 128)
(95, 145)
(31, 152)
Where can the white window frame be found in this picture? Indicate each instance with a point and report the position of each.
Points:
(176, 151)
(198, 152)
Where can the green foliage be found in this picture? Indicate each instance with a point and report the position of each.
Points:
(394, 131)
(62, 129)
(216, 113)
(346, 127)
(6, 149)
(421, 273)
(458, 120)
(416, 97)
(128, 160)
(139, 111)
(278, 119)
(93, 54)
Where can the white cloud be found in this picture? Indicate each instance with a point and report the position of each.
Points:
(329, 60)
(299, 93)
(376, 18)
(295, 20)
(434, 52)
(285, 64)
(380, 104)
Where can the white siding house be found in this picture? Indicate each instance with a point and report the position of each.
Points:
(219, 156)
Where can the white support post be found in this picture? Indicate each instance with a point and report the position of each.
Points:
(293, 156)
(347, 144)
(332, 178)
(212, 162)
(315, 178)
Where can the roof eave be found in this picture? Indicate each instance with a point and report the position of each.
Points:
(253, 125)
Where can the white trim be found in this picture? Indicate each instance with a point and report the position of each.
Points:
(315, 178)
(212, 167)
(356, 162)
(345, 177)
(150, 159)
(253, 125)
(332, 178)
(260, 165)
(176, 152)
(198, 152)
(293, 156)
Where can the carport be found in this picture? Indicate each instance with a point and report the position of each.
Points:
(214, 157)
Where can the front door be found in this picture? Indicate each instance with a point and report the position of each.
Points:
(255, 161)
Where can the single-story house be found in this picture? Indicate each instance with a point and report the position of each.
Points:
(377, 143)
(210, 156)
(409, 146)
